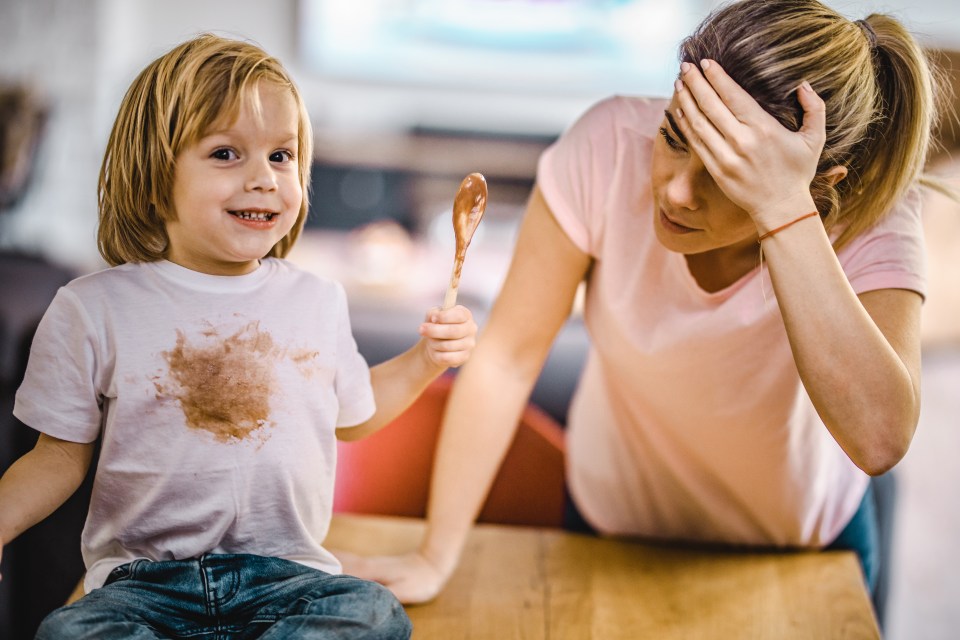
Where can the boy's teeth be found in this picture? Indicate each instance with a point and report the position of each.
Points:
(250, 215)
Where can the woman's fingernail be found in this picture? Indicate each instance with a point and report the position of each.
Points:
(684, 67)
(806, 86)
(704, 64)
(679, 114)
(678, 85)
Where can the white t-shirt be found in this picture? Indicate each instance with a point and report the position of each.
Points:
(690, 420)
(216, 399)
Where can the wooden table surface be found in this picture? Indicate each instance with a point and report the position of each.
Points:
(519, 582)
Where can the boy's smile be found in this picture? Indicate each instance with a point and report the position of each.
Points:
(237, 192)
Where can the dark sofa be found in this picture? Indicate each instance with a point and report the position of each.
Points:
(42, 566)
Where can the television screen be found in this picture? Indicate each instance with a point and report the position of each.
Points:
(516, 66)
(528, 65)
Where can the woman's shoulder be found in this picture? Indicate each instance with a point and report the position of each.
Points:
(892, 252)
(625, 112)
(609, 128)
(902, 220)
(612, 128)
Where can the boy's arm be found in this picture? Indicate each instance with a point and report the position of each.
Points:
(39, 482)
(447, 339)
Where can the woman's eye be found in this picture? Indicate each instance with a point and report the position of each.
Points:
(671, 142)
(224, 154)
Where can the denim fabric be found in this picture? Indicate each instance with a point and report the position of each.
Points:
(229, 597)
(573, 520)
(861, 535)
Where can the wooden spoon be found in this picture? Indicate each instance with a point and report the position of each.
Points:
(468, 208)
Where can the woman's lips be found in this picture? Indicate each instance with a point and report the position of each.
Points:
(672, 226)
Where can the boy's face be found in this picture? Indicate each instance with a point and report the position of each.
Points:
(236, 192)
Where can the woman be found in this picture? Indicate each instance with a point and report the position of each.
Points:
(754, 264)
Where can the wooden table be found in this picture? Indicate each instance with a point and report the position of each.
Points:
(519, 582)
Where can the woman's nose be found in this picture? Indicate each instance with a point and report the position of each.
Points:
(682, 189)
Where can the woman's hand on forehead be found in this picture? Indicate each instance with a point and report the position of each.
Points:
(762, 166)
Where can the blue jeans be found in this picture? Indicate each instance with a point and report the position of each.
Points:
(229, 597)
(861, 535)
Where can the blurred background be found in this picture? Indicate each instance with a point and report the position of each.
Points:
(407, 97)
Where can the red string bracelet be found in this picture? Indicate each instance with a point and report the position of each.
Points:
(792, 222)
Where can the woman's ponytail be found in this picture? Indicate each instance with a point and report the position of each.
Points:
(891, 155)
(881, 94)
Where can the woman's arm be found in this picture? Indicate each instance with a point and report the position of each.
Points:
(39, 482)
(448, 338)
(487, 401)
(492, 391)
(858, 357)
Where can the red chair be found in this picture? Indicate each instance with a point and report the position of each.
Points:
(388, 473)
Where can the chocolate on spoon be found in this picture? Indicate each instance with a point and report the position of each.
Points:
(468, 208)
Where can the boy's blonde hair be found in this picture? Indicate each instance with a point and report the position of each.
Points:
(170, 106)
(880, 90)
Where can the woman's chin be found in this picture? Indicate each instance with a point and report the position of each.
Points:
(685, 243)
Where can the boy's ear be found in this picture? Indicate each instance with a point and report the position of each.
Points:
(835, 174)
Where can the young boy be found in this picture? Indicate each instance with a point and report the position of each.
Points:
(215, 375)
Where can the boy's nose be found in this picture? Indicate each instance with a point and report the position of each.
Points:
(261, 177)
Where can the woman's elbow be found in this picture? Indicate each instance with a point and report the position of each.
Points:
(878, 465)
(889, 446)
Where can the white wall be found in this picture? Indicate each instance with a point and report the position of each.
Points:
(935, 23)
(84, 53)
(52, 45)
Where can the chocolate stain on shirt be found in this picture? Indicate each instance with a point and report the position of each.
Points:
(224, 385)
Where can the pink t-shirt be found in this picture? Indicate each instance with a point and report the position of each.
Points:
(690, 421)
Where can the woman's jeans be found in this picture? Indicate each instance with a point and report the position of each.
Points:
(861, 534)
(229, 597)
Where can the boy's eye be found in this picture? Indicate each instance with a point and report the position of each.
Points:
(224, 154)
(671, 142)
(282, 155)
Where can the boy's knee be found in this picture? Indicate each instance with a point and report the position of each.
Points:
(90, 621)
(374, 612)
(387, 618)
(65, 622)
(51, 627)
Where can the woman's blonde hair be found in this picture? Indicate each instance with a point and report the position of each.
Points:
(170, 106)
(880, 89)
